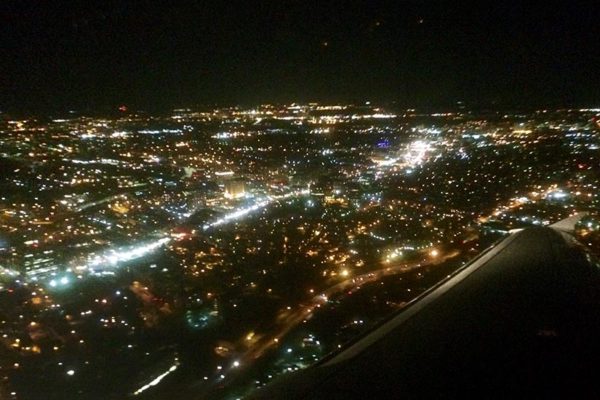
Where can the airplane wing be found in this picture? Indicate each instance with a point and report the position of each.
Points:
(521, 320)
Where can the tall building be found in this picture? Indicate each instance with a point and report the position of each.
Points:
(234, 189)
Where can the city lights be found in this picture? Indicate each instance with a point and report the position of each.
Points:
(280, 216)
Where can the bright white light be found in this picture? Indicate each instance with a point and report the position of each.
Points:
(416, 152)
(114, 257)
(558, 195)
(387, 162)
(70, 372)
(156, 380)
(242, 212)
(383, 116)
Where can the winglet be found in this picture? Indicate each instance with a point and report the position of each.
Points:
(568, 224)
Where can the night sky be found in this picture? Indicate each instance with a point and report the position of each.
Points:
(159, 54)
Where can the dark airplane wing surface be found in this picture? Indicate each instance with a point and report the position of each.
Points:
(521, 320)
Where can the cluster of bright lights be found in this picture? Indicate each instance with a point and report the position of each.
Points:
(416, 152)
(7, 271)
(114, 257)
(59, 282)
(119, 134)
(394, 254)
(386, 162)
(242, 212)
(237, 214)
(558, 195)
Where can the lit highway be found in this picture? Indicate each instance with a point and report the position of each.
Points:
(110, 260)
(287, 320)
